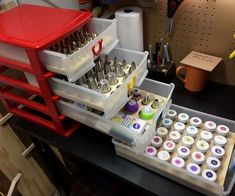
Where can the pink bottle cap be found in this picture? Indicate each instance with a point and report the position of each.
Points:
(156, 141)
(210, 126)
(169, 146)
(222, 130)
(178, 162)
(151, 151)
(198, 157)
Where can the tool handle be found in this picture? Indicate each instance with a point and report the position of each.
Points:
(178, 70)
(232, 55)
(100, 47)
(172, 6)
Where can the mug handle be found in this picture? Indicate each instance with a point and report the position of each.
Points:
(178, 69)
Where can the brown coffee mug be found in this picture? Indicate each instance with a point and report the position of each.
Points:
(194, 79)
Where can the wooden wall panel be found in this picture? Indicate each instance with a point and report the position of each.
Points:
(203, 25)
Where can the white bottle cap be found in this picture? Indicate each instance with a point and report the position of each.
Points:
(213, 163)
(209, 174)
(222, 130)
(162, 132)
(183, 117)
(179, 126)
(206, 135)
(220, 140)
(192, 131)
(194, 168)
(195, 121)
(187, 141)
(202, 146)
(163, 155)
(198, 157)
(169, 146)
(171, 114)
(167, 122)
(217, 151)
(210, 126)
(156, 141)
(174, 136)
(151, 151)
(183, 152)
(178, 162)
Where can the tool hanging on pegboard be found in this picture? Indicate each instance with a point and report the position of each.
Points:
(160, 65)
(232, 55)
(172, 6)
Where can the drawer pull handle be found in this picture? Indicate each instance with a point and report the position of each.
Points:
(100, 46)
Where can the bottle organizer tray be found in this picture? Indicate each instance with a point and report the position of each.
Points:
(225, 175)
(79, 62)
(105, 125)
(99, 101)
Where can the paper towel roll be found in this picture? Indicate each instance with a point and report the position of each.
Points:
(130, 28)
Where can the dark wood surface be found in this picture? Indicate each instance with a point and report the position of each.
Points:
(96, 149)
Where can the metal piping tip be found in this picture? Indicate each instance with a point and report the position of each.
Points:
(107, 68)
(104, 86)
(119, 71)
(145, 100)
(155, 104)
(85, 85)
(114, 62)
(100, 76)
(92, 83)
(133, 65)
(124, 64)
(125, 77)
(111, 76)
(81, 81)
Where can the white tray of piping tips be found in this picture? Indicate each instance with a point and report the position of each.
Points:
(193, 148)
(105, 88)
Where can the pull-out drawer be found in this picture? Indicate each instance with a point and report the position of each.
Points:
(109, 104)
(225, 174)
(105, 125)
(79, 62)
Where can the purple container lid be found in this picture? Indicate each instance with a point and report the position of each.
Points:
(132, 106)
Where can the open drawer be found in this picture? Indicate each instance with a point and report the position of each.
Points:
(105, 125)
(79, 62)
(225, 175)
(109, 104)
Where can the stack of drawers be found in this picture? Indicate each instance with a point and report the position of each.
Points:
(65, 57)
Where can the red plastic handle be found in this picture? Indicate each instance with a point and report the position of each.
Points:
(100, 47)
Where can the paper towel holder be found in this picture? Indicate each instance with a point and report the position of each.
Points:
(128, 10)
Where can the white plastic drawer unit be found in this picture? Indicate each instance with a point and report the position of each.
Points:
(108, 104)
(105, 125)
(76, 64)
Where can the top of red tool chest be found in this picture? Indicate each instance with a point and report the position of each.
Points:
(35, 27)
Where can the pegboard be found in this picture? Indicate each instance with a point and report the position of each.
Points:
(205, 26)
